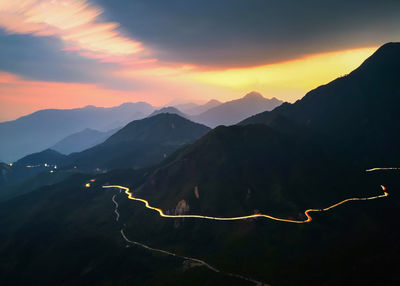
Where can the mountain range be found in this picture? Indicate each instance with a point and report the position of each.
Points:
(232, 112)
(354, 114)
(75, 130)
(140, 143)
(309, 154)
(82, 140)
(44, 128)
(227, 113)
(195, 109)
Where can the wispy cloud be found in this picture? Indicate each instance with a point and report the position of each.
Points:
(76, 22)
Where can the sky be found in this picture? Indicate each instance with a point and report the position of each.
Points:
(72, 53)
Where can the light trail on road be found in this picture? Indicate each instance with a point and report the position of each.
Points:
(306, 213)
(162, 214)
(382, 169)
(116, 208)
(203, 263)
(169, 253)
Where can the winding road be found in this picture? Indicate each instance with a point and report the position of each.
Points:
(201, 262)
(195, 260)
(116, 208)
(307, 212)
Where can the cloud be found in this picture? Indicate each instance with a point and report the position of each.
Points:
(233, 33)
(42, 58)
(62, 52)
(46, 59)
(76, 22)
(288, 80)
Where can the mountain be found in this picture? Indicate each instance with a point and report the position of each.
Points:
(44, 128)
(310, 154)
(71, 231)
(82, 140)
(239, 169)
(48, 156)
(170, 110)
(280, 164)
(79, 224)
(29, 166)
(4, 173)
(232, 112)
(141, 143)
(184, 106)
(354, 114)
(195, 109)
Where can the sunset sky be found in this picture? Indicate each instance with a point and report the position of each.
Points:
(72, 53)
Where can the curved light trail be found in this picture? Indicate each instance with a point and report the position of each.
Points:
(116, 208)
(162, 214)
(382, 169)
(307, 212)
(190, 259)
(196, 260)
(168, 253)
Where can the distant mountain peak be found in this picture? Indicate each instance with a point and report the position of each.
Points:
(90, 107)
(213, 101)
(168, 109)
(253, 95)
(388, 46)
(384, 59)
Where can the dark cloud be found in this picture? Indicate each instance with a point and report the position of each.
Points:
(248, 32)
(42, 58)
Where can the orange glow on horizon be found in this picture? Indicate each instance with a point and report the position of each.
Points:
(19, 96)
(161, 82)
(289, 79)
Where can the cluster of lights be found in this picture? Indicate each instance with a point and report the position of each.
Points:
(87, 185)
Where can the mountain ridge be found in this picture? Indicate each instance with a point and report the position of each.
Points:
(232, 112)
(365, 100)
(42, 129)
(141, 143)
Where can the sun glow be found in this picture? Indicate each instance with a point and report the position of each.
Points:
(286, 80)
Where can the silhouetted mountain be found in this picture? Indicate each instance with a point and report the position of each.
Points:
(197, 109)
(141, 143)
(73, 233)
(76, 223)
(44, 128)
(239, 169)
(48, 156)
(4, 173)
(170, 110)
(356, 114)
(298, 158)
(82, 140)
(232, 112)
(348, 124)
(31, 165)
